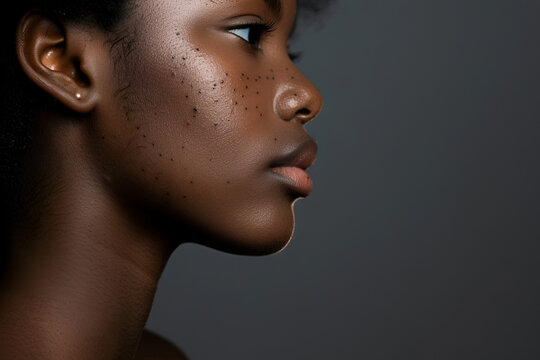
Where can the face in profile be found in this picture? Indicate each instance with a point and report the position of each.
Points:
(204, 121)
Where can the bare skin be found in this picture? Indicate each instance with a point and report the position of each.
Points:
(171, 144)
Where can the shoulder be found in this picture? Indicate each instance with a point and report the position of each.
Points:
(154, 347)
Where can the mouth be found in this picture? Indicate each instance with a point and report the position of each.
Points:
(291, 167)
(298, 179)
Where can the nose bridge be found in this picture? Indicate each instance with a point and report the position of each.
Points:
(297, 98)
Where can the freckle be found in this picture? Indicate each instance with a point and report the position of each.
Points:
(215, 84)
(183, 58)
(236, 103)
(234, 90)
(156, 178)
(183, 146)
(271, 70)
(273, 78)
(187, 123)
(267, 78)
(177, 33)
(160, 155)
(295, 94)
(275, 139)
(222, 81)
(197, 49)
(216, 101)
(286, 68)
(211, 159)
(259, 76)
(173, 74)
(292, 77)
(245, 108)
(153, 144)
(260, 114)
(256, 80)
(247, 78)
(228, 182)
(246, 87)
(142, 170)
(144, 136)
(187, 96)
(167, 193)
(138, 127)
(256, 107)
(185, 197)
(242, 95)
(191, 182)
(193, 116)
(242, 74)
(172, 159)
(226, 74)
(103, 137)
(182, 82)
(195, 109)
(215, 124)
(199, 91)
(257, 92)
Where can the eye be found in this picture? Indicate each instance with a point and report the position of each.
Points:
(253, 34)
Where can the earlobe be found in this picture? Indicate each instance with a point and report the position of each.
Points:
(53, 56)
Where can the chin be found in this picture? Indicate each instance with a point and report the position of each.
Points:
(261, 236)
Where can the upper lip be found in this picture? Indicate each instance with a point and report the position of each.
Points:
(302, 156)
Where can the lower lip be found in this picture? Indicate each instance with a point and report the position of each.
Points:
(297, 178)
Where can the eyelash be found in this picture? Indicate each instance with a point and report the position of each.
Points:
(261, 30)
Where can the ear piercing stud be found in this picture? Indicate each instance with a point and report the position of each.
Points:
(78, 96)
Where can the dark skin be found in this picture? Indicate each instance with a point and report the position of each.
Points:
(171, 143)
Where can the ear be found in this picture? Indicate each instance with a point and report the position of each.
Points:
(56, 57)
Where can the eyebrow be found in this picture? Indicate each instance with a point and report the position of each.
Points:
(275, 7)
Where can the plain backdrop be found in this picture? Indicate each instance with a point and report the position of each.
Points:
(421, 239)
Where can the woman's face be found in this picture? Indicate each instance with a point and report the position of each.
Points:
(197, 118)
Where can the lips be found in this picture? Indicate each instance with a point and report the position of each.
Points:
(291, 167)
(303, 156)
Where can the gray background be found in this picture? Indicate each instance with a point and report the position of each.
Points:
(421, 238)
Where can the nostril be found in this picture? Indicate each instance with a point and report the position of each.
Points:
(304, 111)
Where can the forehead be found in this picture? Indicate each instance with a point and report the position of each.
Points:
(191, 12)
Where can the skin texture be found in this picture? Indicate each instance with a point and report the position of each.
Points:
(172, 142)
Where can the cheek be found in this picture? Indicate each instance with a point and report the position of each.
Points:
(192, 137)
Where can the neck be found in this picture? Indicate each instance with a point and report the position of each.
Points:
(82, 272)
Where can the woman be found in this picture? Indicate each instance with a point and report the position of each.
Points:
(129, 128)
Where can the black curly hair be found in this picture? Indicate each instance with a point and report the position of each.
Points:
(21, 97)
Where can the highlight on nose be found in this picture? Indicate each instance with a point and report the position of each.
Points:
(300, 103)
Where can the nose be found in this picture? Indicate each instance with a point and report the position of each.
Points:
(298, 101)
